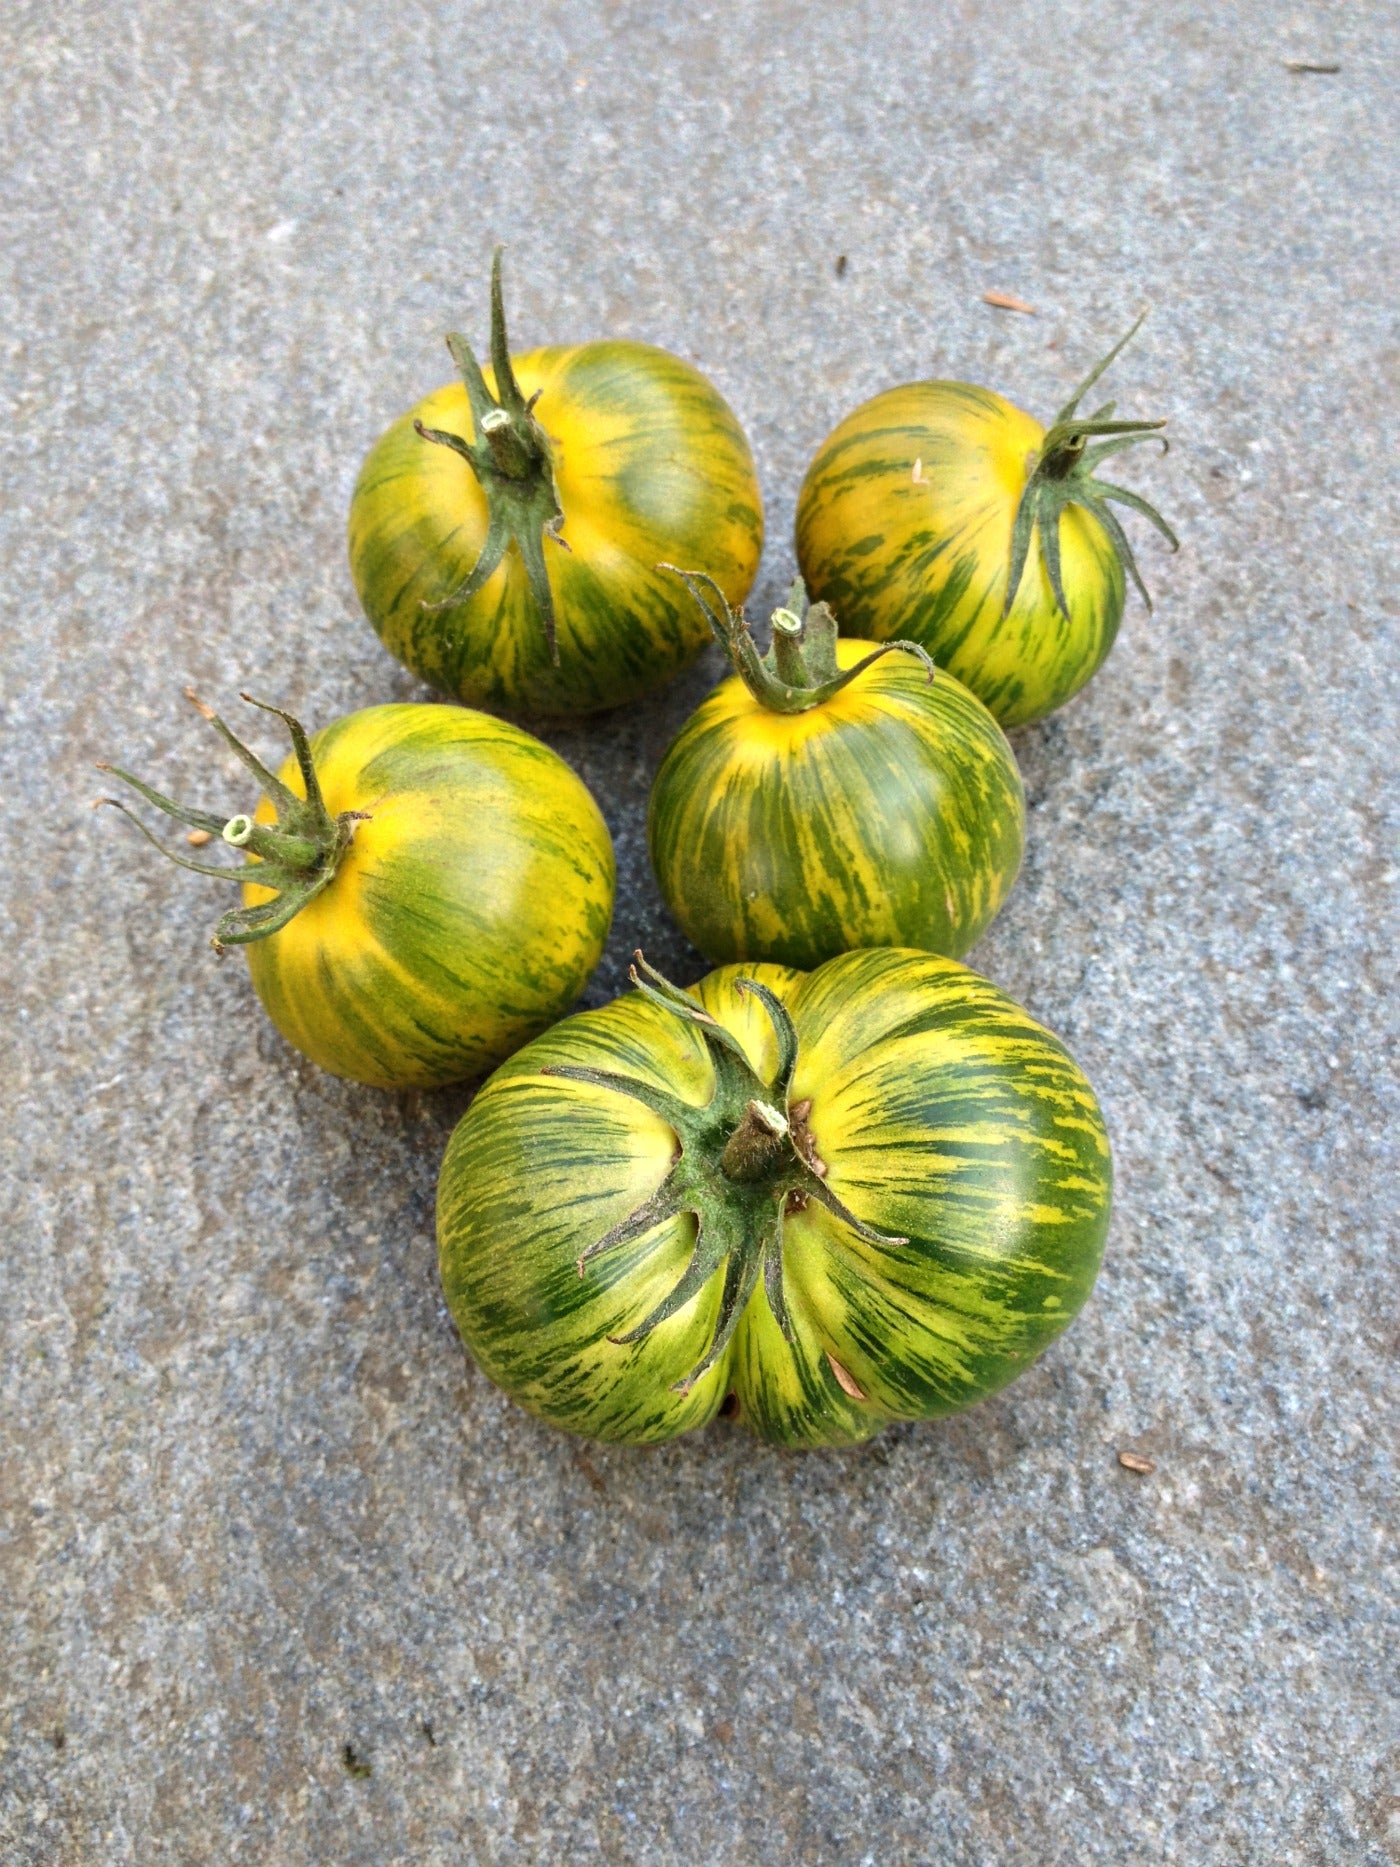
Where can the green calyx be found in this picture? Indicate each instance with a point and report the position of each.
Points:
(512, 462)
(744, 1161)
(800, 670)
(1065, 473)
(297, 855)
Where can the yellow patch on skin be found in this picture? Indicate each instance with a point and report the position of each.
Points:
(783, 735)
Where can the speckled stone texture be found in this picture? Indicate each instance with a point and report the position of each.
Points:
(282, 1580)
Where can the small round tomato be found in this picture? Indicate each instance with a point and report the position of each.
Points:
(827, 797)
(504, 533)
(433, 887)
(835, 1199)
(941, 512)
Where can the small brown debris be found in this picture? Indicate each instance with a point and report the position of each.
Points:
(802, 1137)
(353, 1763)
(1137, 1462)
(723, 1731)
(841, 263)
(590, 1471)
(1299, 66)
(198, 838)
(845, 1380)
(1003, 301)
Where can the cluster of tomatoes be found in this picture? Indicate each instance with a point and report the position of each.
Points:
(916, 1174)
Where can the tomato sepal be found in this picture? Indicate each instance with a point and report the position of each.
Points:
(514, 467)
(1064, 474)
(297, 856)
(743, 1159)
(800, 670)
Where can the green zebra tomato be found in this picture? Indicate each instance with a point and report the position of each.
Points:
(827, 797)
(430, 887)
(868, 1193)
(504, 533)
(940, 512)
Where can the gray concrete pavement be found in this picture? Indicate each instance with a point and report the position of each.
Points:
(281, 1578)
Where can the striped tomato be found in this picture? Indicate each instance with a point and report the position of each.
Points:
(435, 887)
(827, 797)
(824, 1201)
(504, 533)
(941, 512)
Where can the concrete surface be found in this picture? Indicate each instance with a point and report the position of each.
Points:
(281, 1579)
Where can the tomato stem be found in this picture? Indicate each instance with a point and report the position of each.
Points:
(296, 856)
(762, 1139)
(511, 452)
(514, 467)
(800, 670)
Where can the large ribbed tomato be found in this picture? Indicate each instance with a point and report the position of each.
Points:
(505, 532)
(941, 512)
(868, 1193)
(434, 886)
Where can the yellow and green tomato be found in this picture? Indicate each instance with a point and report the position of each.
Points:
(429, 888)
(941, 512)
(827, 797)
(505, 532)
(823, 1201)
